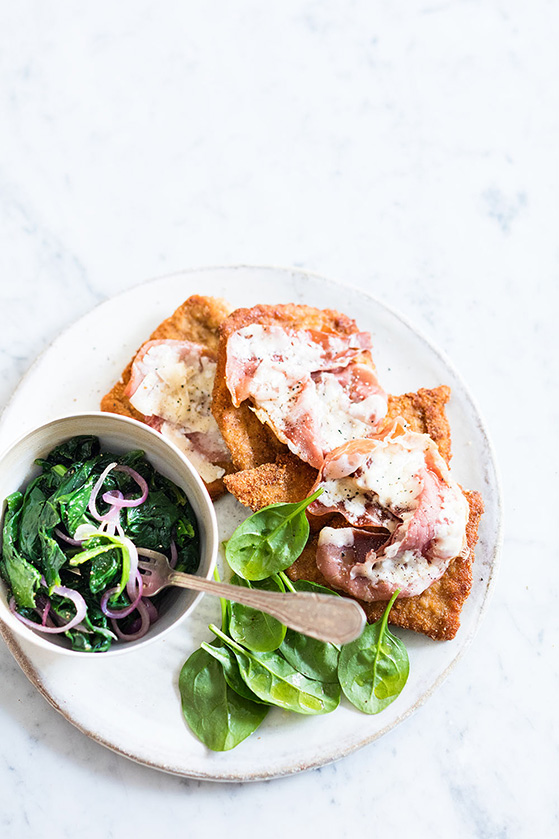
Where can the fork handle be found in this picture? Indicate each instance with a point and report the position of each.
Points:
(334, 619)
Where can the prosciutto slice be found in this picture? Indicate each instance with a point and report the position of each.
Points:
(397, 481)
(316, 390)
(171, 383)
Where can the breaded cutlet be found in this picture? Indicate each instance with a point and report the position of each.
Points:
(198, 320)
(435, 612)
(251, 442)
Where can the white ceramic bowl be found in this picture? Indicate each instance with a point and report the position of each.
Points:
(116, 434)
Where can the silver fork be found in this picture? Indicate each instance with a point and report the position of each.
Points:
(333, 619)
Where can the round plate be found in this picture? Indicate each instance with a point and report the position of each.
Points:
(131, 703)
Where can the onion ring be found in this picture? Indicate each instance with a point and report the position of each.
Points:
(117, 614)
(144, 625)
(77, 542)
(112, 498)
(63, 591)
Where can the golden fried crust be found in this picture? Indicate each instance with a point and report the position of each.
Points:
(287, 480)
(435, 612)
(425, 413)
(197, 319)
(250, 442)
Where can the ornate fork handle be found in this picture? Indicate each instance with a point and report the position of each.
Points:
(333, 619)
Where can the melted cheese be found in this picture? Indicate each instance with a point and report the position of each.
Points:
(392, 474)
(209, 472)
(337, 537)
(408, 572)
(172, 383)
(406, 476)
(176, 387)
(298, 384)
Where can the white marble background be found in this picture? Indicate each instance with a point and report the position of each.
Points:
(408, 148)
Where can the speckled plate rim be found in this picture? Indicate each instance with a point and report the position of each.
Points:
(34, 677)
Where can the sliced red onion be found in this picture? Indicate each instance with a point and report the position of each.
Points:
(112, 515)
(110, 498)
(174, 554)
(46, 611)
(152, 611)
(68, 539)
(144, 625)
(42, 608)
(115, 498)
(70, 594)
(135, 596)
(94, 492)
(111, 528)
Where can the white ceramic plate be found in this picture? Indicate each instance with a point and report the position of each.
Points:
(131, 703)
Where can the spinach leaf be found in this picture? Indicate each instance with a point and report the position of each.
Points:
(173, 492)
(103, 570)
(21, 576)
(270, 540)
(100, 543)
(39, 517)
(225, 656)
(275, 681)
(152, 524)
(314, 659)
(35, 497)
(73, 502)
(254, 629)
(31, 512)
(90, 638)
(136, 459)
(76, 450)
(216, 714)
(90, 641)
(188, 543)
(53, 559)
(52, 556)
(374, 668)
(231, 670)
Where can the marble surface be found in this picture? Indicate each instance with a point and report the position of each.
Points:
(408, 149)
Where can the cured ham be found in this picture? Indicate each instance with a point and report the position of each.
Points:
(315, 389)
(171, 384)
(397, 481)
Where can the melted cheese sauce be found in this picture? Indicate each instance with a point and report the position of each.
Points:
(208, 471)
(294, 383)
(392, 474)
(406, 476)
(177, 388)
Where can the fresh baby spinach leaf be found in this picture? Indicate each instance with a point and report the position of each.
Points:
(20, 575)
(374, 668)
(233, 677)
(216, 714)
(274, 680)
(270, 540)
(76, 450)
(313, 658)
(254, 629)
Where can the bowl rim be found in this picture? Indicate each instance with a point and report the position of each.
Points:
(210, 528)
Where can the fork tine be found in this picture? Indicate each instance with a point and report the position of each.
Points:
(145, 565)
